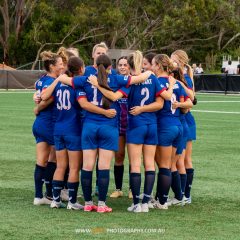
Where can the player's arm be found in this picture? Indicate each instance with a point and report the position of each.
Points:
(113, 96)
(47, 92)
(189, 91)
(184, 104)
(65, 79)
(42, 105)
(86, 105)
(140, 78)
(152, 107)
(166, 94)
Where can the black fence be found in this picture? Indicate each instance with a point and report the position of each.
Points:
(217, 83)
(25, 79)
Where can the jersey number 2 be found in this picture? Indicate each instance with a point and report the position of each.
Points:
(144, 91)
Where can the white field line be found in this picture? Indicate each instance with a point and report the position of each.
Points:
(216, 101)
(221, 112)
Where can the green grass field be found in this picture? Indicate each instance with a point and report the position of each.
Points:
(214, 213)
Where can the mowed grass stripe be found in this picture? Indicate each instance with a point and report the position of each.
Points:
(214, 213)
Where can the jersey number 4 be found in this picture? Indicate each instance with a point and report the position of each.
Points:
(63, 100)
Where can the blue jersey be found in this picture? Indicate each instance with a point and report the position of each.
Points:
(168, 116)
(68, 120)
(91, 70)
(115, 82)
(143, 94)
(189, 81)
(46, 115)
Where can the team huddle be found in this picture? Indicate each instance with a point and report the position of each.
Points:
(88, 116)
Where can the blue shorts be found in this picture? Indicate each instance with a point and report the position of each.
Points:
(169, 136)
(192, 133)
(43, 134)
(99, 136)
(146, 134)
(71, 143)
(183, 143)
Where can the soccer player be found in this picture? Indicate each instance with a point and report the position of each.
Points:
(98, 49)
(123, 69)
(169, 126)
(43, 128)
(180, 57)
(67, 134)
(141, 115)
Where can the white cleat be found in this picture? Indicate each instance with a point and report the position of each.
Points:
(187, 200)
(41, 201)
(145, 207)
(158, 205)
(74, 206)
(64, 195)
(175, 202)
(135, 208)
(55, 204)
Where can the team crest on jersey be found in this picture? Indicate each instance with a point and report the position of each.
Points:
(175, 86)
(125, 78)
(108, 79)
(39, 83)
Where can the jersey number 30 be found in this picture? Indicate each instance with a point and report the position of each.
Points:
(63, 100)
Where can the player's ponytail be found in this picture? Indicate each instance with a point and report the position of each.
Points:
(103, 62)
(49, 58)
(135, 61)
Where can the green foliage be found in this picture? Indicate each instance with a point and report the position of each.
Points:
(197, 26)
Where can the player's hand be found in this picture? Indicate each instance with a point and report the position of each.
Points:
(135, 110)
(36, 98)
(61, 77)
(172, 80)
(175, 105)
(35, 110)
(93, 80)
(110, 113)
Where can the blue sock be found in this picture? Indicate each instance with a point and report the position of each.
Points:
(176, 185)
(183, 182)
(164, 184)
(39, 180)
(118, 176)
(86, 181)
(157, 188)
(97, 174)
(66, 177)
(57, 186)
(190, 173)
(49, 172)
(135, 183)
(72, 190)
(148, 185)
(103, 183)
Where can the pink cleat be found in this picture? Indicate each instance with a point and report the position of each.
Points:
(90, 208)
(103, 209)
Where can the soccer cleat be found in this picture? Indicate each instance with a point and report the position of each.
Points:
(74, 206)
(55, 204)
(90, 208)
(175, 202)
(130, 194)
(103, 209)
(135, 208)
(187, 200)
(64, 195)
(145, 207)
(158, 205)
(41, 201)
(116, 194)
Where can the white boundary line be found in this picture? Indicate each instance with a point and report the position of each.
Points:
(202, 101)
(207, 111)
